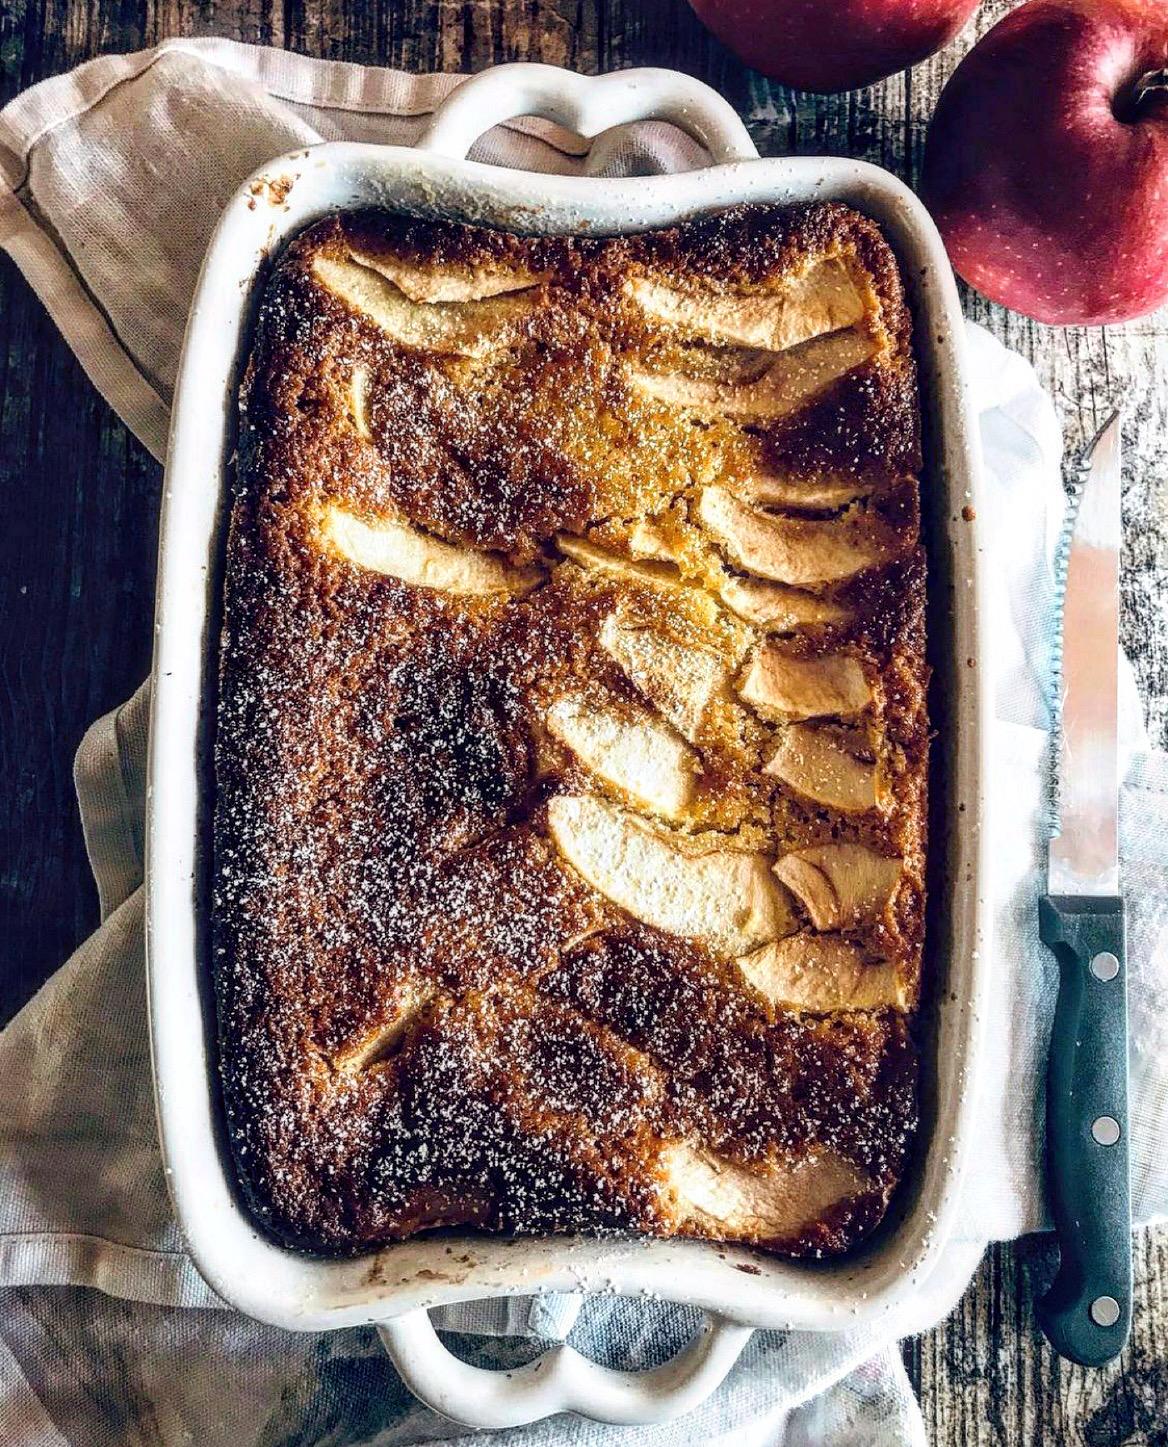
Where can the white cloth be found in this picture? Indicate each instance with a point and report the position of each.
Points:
(114, 175)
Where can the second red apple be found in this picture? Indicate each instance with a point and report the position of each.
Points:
(1046, 166)
(830, 45)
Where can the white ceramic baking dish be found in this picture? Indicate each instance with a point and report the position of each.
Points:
(395, 1286)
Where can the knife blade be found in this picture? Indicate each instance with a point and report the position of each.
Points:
(1084, 852)
(1086, 1314)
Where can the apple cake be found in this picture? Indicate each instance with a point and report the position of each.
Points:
(572, 739)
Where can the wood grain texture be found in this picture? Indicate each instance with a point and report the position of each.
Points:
(77, 563)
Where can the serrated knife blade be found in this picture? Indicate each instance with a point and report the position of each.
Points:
(1086, 1314)
(1084, 852)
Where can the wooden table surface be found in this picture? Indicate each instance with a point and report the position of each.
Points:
(80, 499)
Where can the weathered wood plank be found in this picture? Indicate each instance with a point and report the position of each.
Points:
(988, 1379)
(77, 560)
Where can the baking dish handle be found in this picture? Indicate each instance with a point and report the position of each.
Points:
(586, 105)
(560, 1380)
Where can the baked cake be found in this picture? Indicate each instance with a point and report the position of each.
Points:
(571, 747)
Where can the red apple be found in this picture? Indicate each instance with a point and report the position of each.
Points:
(833, 44)
(1046, 165)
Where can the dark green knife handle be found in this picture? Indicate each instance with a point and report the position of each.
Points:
(1088, 1182)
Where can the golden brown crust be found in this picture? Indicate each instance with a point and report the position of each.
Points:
(431, 1012)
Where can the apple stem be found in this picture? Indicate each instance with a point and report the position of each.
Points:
(1150, 89)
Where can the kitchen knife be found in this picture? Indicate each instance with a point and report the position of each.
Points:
(1086, 1314)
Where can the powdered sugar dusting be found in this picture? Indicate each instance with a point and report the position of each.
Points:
(427, 1017)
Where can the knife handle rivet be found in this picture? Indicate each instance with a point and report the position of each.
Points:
(1105, 966)
(1105, 1130)
(1104, 1311)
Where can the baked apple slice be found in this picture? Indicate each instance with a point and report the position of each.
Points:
(777, 608)
(694, 886)
(459, 328)
(780, 685)
(801, 552)
(646, 572)
(410, 1000)
(642, 756)
(841, 886)
(680, 681)
(448, 282)
(816, 766)
(820, 973)
(822, 492)
(775, 1202)
(756, 386)
(400, 551)
(357, 403)
(823, 299)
